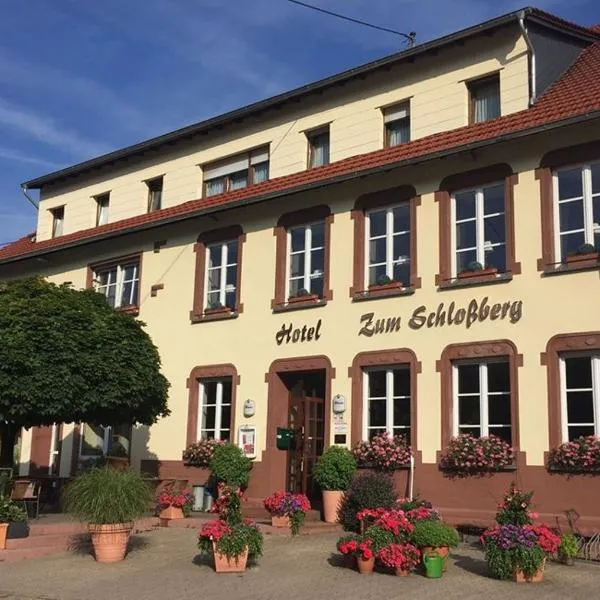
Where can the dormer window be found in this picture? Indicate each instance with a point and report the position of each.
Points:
(102, 203)
(58, 219)
(397, 124)
(155, 190)
(318, 147)
(484, 101)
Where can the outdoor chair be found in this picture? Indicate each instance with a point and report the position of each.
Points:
(27, 492)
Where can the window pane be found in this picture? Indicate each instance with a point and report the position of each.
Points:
(377, 223)
(210, 392)
(215, 186)
(468, 410)
(570, 183)
(499, 409)
(214, 279)
(93, 440)
(401, 412)
(494, 229)
(398, 131)
(295, 286)
(401, 247)
(230, 299)
(231, 277)
(377, 384)
(571, 242)
(232, 252)
(595, 169)
(297, 235)
(580, 407)
(212, 299)
(208, 417)
(502, 432)
(316, 286)
(596, 218)
(465, 235)
(401, 218)
(486, 96)
(571, 215)
(297, 265)
(126, 296)
(496, 257)
(401, 273)
(493, 199)
(111, 295)
(498, 377)
(579, 372)
(401, 382)
(468, 379)
(238, 180)
(463, 259)
(581, 430)
(377, 250)
(375, 273)
(226, 417)
(261, 172)
(317, 262)
(214, 256)
(318, 235)
(129, 272)
(377, 414)
(465, 205)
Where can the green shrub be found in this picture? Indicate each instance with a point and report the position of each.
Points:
(569, 547)
(10, 512)
(104, 495)
(231, 466)
(379, 537)
(366, 490)
(335, 468)
(435, 534)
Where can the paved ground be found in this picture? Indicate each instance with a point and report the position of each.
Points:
(164, 565)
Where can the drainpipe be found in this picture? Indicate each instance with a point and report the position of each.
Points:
(533, 94)
(31, 200)
(412, 477)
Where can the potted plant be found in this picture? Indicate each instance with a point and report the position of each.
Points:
(435, 538)
(578, 455)
(403, 558)
(287, 510)
(200, 453)
(11, 515)
(385, 282)
(333, 472)
(417, 509)
(383, 452)
(359, 547)
(230, 539)
(109, 500)
(569, 548)
(217, 308)
(303, 295)
(467, 455)
(585, 252)
(515, 508)
(230, 466)
(174, 502)
(475, 270)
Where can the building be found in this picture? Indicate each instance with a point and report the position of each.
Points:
(317, 245)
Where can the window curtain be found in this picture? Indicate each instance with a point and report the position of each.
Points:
(215, 186)
(399, 132)
(261, 172)
(320, 150)
(487, 103)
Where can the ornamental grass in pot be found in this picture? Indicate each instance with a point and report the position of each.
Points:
(435, 538)
(109, 500)
(333, 473)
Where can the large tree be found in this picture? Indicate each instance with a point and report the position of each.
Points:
(67, 356)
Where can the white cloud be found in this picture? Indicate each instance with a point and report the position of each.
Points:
(20, 157)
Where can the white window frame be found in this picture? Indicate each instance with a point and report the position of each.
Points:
(389, 400)
(58, 221)
(222, 268)
(120, 281)
(484, 394)
(54, 453)
(218, 407)
(389, 246)
(308, 250)
(102, 208)
(481, 245)
(589, 227)
(595, 366)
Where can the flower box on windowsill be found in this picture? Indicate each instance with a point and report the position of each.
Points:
(374, 467)
(481, 273)
(220, 310)
(382, 287)
(303, 299)
(477, 472)
(130, 310)
(587, 257)
(574, 470)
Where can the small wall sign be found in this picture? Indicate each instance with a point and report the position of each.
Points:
(290, 334)
(247, 440)
(339, 404)
(249, 408)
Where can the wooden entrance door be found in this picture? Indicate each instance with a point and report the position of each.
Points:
(306, 418)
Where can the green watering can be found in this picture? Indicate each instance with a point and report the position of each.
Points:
(434, 565)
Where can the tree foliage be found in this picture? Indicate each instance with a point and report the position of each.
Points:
(67, 356)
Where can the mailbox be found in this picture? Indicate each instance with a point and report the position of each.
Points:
(285, 438)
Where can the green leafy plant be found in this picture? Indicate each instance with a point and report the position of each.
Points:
(569, 546)
(586, 249)
(104, 495)
(366, 490)
(474, 266)
(379, 537)
(10, 512)
(335, 468)
(384, 280)
(515, 508)
(434, 534)
(231, 466)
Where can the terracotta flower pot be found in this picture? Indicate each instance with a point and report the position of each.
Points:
(172, 512)
(3, 532)
(442, 551)
(402, 572)
(332, 500)
(110, 541)
(283, 522)
(226, 564)
(537, 577)
(365, 567)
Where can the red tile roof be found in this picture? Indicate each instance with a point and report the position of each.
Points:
(575, 94)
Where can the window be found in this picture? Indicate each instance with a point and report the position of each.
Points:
(155, 191)
(318, 147)
(98, 441)
(221, 275)
(580, 395)
(482, 399)
(119, 283)
(577, 208)
(58, 219)
(306, 263)
(236, 172)
(102, 203)
(484, 101)
(388, 244)
(479, 230)
(397, 124)
(387, 402)
(214, 415)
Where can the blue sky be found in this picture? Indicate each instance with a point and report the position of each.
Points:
(79, 78)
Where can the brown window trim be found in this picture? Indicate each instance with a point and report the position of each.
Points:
(480, 81)
(114, 262)
(365, 203)
(557, 345)
(382, 358)
(478, 351)
(322, 212)
(467, 180)
(551, 161)
(198, 313)
(192, 383)
(310, 135)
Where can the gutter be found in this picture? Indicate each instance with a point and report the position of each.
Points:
(532, 61)
(583, 118)
(31, 200)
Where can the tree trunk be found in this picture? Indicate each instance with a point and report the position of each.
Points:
(8, 436)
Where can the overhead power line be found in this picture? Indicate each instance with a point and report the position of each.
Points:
(410, 37)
